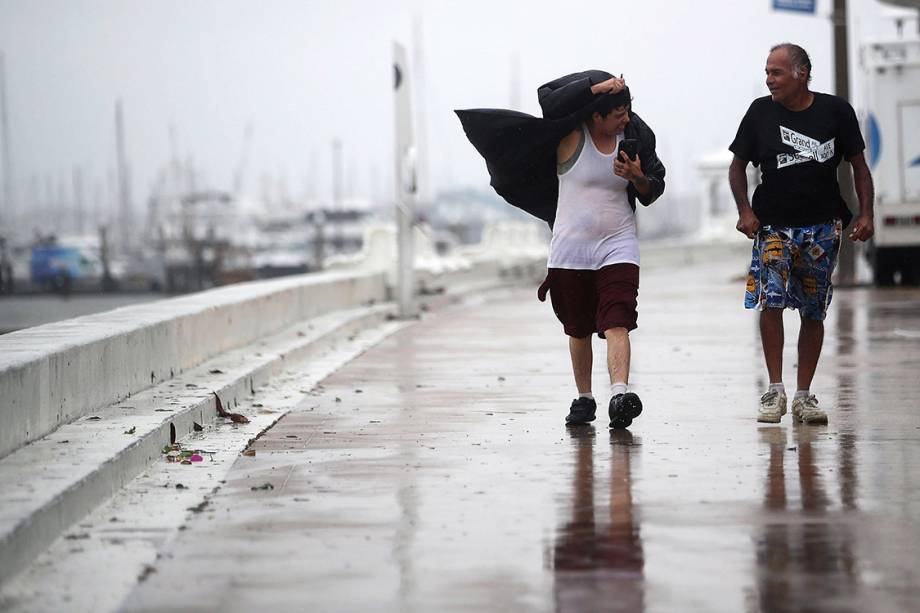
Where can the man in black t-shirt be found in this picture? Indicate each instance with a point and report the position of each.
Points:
(798, 138)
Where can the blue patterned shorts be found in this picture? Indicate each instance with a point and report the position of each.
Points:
(792, 267)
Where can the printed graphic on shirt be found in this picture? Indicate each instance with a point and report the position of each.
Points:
(807, 149)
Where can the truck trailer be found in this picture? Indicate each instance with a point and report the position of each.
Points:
(892, 118)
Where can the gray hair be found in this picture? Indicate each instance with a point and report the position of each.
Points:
(798, 57)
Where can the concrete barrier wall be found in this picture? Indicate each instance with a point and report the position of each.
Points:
(52, 374)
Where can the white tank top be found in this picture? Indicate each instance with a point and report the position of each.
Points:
(595, 226)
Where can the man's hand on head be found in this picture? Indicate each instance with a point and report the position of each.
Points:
(611, 86)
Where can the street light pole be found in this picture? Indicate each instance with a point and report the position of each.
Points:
(846, 266)
(405, 184)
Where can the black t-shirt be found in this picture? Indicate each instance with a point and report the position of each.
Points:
(798, 153)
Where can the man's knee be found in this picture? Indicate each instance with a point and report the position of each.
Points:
(812, 323)
(615, 333)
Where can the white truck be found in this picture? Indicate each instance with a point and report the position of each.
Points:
(892, 130)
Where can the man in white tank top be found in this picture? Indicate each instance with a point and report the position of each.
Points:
(562, 168)
(593, 276)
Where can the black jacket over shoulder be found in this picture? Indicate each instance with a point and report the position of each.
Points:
(520, 149)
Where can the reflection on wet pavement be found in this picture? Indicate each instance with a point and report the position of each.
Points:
(811, 559)
(597, 553)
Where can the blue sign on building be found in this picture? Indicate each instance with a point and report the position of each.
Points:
(799, 6)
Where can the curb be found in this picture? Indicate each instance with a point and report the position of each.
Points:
(41, 514)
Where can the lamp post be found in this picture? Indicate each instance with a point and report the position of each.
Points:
(846, 264)
(405, 184)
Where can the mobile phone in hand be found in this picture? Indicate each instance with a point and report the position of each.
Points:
(630, 146)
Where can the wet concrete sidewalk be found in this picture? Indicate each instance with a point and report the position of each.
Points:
(434, 473)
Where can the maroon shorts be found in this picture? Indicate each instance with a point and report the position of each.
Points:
(587, 301)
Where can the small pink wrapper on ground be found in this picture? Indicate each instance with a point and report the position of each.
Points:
(196, 458)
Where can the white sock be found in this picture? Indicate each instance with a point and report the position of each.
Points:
(586, 395)
(617, 388)
(800, 394)
(778, 387)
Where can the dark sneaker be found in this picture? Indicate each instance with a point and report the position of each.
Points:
(582, 411)
(623, 409)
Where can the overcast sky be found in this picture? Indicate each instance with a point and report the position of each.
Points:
(305, 72)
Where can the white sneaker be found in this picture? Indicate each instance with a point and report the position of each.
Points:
(772, 407)
(806, 410)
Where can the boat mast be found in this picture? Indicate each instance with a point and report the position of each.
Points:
(7, 209)
(124, 189)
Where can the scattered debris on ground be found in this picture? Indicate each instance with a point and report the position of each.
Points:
(234, 417)
(148, 570)
(176, 453)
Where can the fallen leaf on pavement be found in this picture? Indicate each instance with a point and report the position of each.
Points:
(131, 430)
(148, 570)
(220, 408)
(250, 453)
(238, 419)
(264, 486)
(197, 427)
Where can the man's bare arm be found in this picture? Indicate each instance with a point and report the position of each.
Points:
(568, 146)
(864, 226)
(748, 224)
